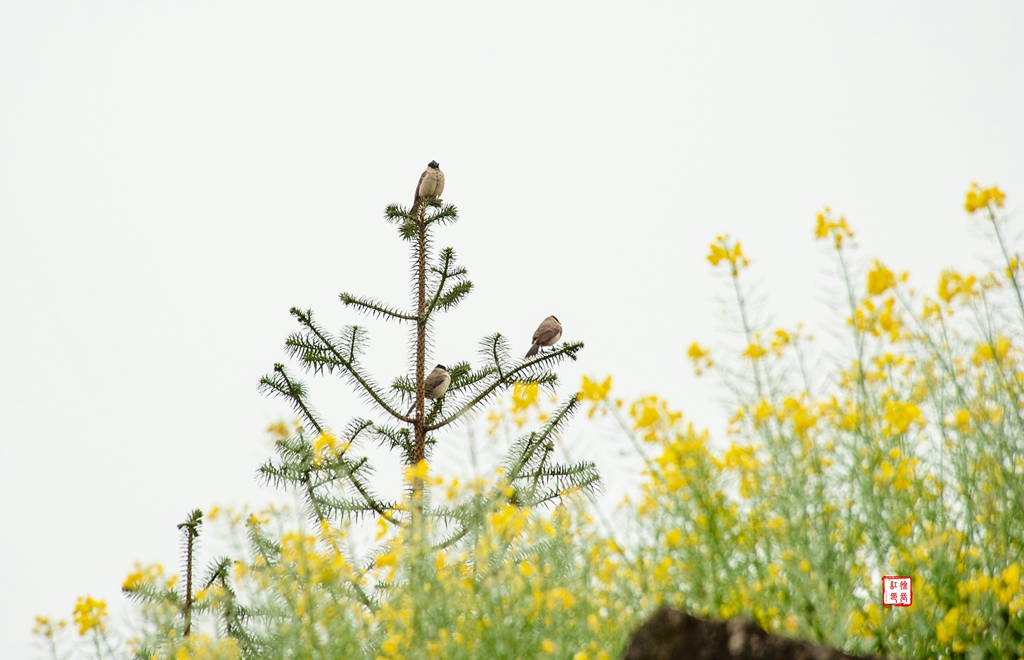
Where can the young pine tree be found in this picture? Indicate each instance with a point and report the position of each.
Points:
(332, 473)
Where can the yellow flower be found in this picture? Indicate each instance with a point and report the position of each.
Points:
(325, 444)
(838, 229)
(89, 614)
(781, 340)
(420, 471)
(524, 396)
(822, 227)
(650, 414)
(801, 416)
(977, 198)
(741, 456)
(701, 358)
(946, 628)
(592, 390)
(754, 352)
(547, 646)
(717, 254)
(899, 416)
(278, 430)
(995, 351)
(725, 250)
(559, 599)
(46, 627)
(888, 322)
(141, 575)
(880, 279)
(1009, 584)
(863, 623)
(1012, 268)
(42, 625)
(952, 284)
(1011, 575)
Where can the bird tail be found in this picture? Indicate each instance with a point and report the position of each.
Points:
(533, 350)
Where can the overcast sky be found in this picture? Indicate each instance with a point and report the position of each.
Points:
(175, 176)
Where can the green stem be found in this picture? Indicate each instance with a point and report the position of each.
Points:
(1009, 262)
(748, 333)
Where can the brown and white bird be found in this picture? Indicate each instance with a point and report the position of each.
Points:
(548, 332)
(430, 185)
(435, 384)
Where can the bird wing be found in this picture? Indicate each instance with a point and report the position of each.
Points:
(547, 331)
(419, 184)
(433, 380)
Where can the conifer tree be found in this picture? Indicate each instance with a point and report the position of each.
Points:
(330, 471)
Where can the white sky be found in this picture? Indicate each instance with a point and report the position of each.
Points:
(175, 176)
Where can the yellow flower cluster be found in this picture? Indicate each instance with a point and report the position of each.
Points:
(742, 459)
(524, 396)
(652, 417)
(899, 416)
(977, 198)
(327, 447)
(723, 249)
(952, 284)
(592, 390)
(879, 320)
(701, 358)
(881, 279)
(90, 614)
(595, 392)
(142, 575)
(525, 400)
(279, 430)
(47, 627)
(827, 226)
(996, 351)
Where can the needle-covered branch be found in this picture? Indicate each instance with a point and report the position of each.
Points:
(299, 463)
(374, 308)
(410, 225)
(319, 351)
(448, 282)
(281, 383)
(532, 371)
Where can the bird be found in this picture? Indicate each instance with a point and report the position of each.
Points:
(430, 185)
(548, 332)
(435, 384)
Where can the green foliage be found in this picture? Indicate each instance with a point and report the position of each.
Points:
(908, 461)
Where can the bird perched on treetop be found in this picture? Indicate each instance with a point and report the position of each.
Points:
(430, 185)
(435, 384)
(548, 332)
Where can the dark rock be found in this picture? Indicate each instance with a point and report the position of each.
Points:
(674, 635)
